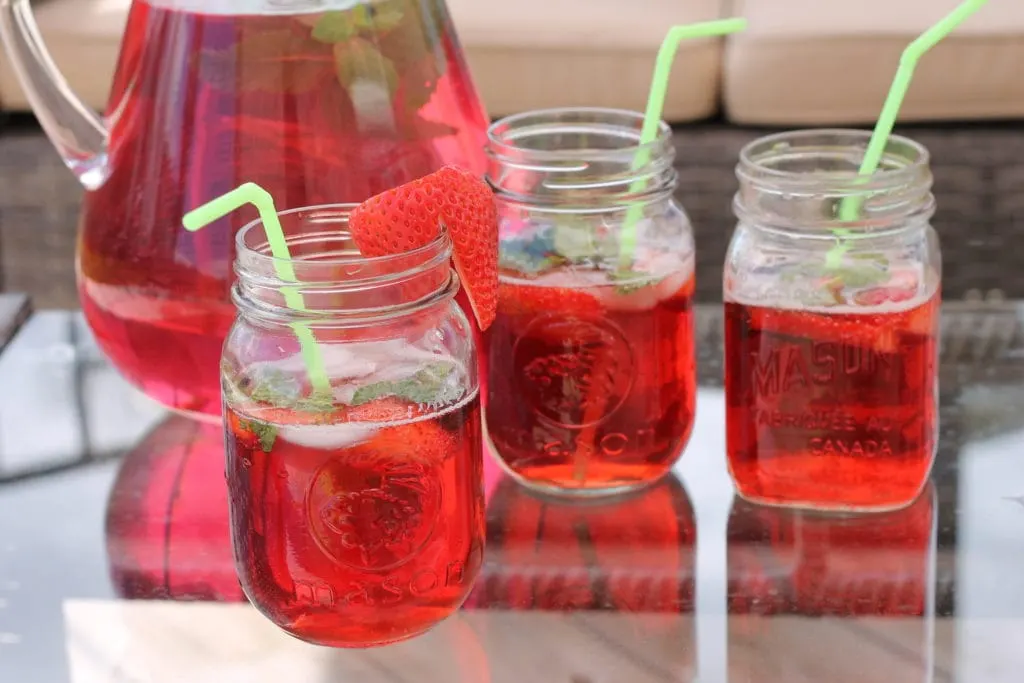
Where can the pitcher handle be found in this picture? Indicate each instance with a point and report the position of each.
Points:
(75, 130)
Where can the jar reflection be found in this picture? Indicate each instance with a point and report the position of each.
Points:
(828, 596)
(588, 590)
(630, 554)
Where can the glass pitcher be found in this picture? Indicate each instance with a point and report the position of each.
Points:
(318, 101)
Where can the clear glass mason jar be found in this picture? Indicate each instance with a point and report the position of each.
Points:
(356, 518)
(591, 376)
(832, 323)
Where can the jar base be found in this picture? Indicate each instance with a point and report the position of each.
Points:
(580, 494)
(828, 508)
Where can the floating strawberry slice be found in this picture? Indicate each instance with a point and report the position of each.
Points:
(526, 300)
(411, 216)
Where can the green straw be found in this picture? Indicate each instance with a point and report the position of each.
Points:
(655, 107)
(251, 193)
(850, 207)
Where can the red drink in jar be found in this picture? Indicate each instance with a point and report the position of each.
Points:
(833, 407)
(592, 381)
(831, 287)
(591, 370)
(356, 534)
(355, 479)
(316, 107)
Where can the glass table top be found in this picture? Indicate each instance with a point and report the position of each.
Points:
(115, 563)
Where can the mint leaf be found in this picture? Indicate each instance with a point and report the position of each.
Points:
(335, 27)
(629, 281)
(265, 433)
(574, 241)
(286, 391)
(429, 385)
(276, 388)
(379, 16)
(316, 402)
(857, 276)
(359, 60)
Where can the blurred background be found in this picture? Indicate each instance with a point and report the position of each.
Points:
(801, 63)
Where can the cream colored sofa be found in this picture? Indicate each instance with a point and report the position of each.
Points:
(808, 62)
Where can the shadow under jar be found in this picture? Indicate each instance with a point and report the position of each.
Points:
(356, 514)
(830, 337)
(591, 375)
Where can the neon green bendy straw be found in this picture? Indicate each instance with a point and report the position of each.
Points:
(849, 208)
(655, 107)
(251, 193)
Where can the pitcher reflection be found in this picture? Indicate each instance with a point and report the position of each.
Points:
(822, 596)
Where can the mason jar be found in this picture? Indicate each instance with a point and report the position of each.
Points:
(832, 291)
(591, 377)
(356, 510)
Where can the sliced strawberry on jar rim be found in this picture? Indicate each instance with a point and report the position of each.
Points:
(411, 216)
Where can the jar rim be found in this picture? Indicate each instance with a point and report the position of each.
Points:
(903, 162)
(546, 121)
(334, 213)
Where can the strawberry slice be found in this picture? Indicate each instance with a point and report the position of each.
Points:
(410, 216)
(525, 300)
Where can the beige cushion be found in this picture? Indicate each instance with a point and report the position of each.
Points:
(819, 62)
(83, 37)
(529, 54)
(524, 54)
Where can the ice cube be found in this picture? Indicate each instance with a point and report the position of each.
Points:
(341, 361)
(670, 273)
(326, 437)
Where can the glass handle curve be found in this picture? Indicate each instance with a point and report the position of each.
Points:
(75, 130)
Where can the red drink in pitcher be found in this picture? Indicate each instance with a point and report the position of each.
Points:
(833, 407)
(592, 381)
(316, 107)
(356, 533)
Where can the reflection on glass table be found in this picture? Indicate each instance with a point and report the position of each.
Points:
(116, 566)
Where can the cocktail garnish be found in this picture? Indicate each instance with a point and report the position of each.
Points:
(628, 281)
(428, 386)
(265, 433)
(574, 241)
(411, 216)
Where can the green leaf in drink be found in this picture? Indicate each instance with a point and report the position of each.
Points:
(574, 241)
(335, 27)
(265, 433)
(379, 17)
(428, 386)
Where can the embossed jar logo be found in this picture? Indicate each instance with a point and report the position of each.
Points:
(572, 372)
(374, 513)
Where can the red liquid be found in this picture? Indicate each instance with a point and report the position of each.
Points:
(167, 531)
(360, 545)
(831, 410)
(590, 390)
(629, 554)
(204, 102)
